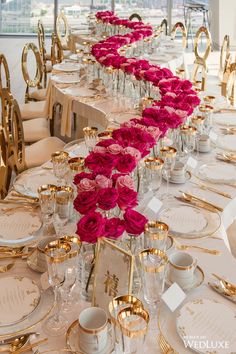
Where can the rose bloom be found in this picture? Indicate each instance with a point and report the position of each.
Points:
(125, 181)
(86, 201)
(86, 184)
(100, 149)
(133, 152)
(114, 228)
(107, 198)
(126, 163)
(91, 227)
(81, 176)
(134, 222)
(127, 198)
(103, 181)
(95, 160)
(115, 149)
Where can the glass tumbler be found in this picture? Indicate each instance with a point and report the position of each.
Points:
(155, 235)
(153, 171)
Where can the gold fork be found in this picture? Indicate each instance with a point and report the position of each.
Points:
(201, 249)
(165, 347)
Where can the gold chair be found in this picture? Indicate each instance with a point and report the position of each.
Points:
(39, 94)
(56, 50)
(21, 157)
(5, 170)
(226, 74)
(45, 57)
(62, 30)
(4, 65)
(135, 17)
(200, 65)
(164, 26)
(180, 27)
(230, 87)
(224, 53)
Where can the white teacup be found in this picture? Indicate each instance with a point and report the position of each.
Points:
(181, 268)
(204, 144)
(178, 173)
(93, 330)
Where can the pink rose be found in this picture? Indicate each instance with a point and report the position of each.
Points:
(107, 198)
(126, 163)
(96, 161)
(81, 176)
(125, 181)
(103, 181)
(115, 149)
(100, 149)
(134, 222)
(91, 227)
(127, 198)
(86, 184)
(133, 152)
(85, 202)
(114, 228)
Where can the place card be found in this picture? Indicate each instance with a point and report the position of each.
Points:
(152, 208)
(192, 163)
(173, 296)
(44, 281)
(213, 135)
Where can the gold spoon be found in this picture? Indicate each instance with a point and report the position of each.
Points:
(226, 285)
(16, 344)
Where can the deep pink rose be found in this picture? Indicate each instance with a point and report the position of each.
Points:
(86, 184)
(127, 198)
(125, 181)
(94, 161)
(114, 228)
(134, 222)
(106, 142)
(133, 152)
(103, 181)
(86, 201)
(81, 176)
(126, 163)
(91, 227)
(107, 198)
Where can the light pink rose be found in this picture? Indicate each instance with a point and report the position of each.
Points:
(170, 109)
(86, 185)
(125, 181)
(154, 131)
(182, 114)
(103, 181)
(100, 149)
(133, 152)
(171, 94)
(115, 149)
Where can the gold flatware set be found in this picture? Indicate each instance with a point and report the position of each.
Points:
(165, 346)
(199, 202)
(212, 189)
(226, 157)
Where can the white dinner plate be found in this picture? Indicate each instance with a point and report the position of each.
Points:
(187, 221)
(204, 321)
(68, 67)
(80, 91)
(226, 142)
(217, 173)
(19, 226)
(225, 119)
(19, 297)
(29, 181)
(76, 148)
(66, 79)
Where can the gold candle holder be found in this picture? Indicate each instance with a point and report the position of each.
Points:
(154, 163)
(168, 151)
(156, 230)
(76, 164)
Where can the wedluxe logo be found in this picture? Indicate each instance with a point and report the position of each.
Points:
(202, 343)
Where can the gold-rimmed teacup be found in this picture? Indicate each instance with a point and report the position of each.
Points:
(155, 235)
(181, 268)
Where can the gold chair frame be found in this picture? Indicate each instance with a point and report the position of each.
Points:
(180, 27)
(4, 64)
(42, 51)
(200, 60)
(5, 170)
(36, 81)
(135, 16)
(226, 74)
(14, 133)
(56, 50)
(231, 83)
(163, 24)
(61, 18)
(224, 52)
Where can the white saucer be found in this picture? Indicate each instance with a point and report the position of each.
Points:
(198, 279)
(72, 340)
(181, 180)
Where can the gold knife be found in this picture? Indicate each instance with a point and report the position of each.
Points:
(212, 189)
(204, 202)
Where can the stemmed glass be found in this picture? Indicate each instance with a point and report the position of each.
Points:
(153, 171)
(168, 154)
(153, 264)
(46, 195)
(57, 253)
(90, 137)
(59, 161)
(76, 165)
(62, 208)
(188, 137)
(198, 123)
(205, 111)
(155, 235)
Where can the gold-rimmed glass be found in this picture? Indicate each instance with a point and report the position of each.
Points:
(106, 134)
(90, 137)
(198, 123)
(188, 137)
(209, 99)
(206, 110)
(133, 324)
(155, 235)
(59, 161)
(117, 304)
(168, 154)
(62, 208)
(46, 195)
(76, 165)
(153, 173)
(57, 253)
